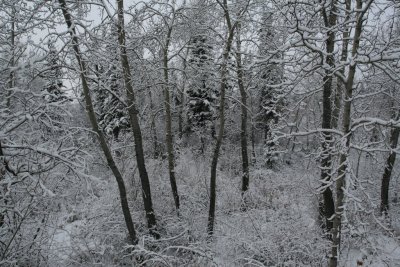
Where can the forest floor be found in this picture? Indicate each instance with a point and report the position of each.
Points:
(280, 226)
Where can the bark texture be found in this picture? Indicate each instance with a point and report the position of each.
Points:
(326, 157)
(387, 173)
(243, 117)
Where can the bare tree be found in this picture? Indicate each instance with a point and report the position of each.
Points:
(93, 120)
(243, 115)
(346, 129)
(390, 161)
(134, 120)
(230, 31)
(326, 158)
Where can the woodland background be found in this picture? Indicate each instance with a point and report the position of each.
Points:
(199, 133)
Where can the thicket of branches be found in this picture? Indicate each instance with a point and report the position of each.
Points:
(114, 99)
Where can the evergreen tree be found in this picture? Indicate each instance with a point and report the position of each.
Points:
(112, 113)
(54, 94)
(53, 77)
(202, 91)
(271, 76)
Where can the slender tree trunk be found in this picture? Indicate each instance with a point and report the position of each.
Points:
(394, 138)
(153, 127)
(168, 125)
(326, 158)
(134, 120)
(95, 126)
(343, 158)
(253, 145)
(243, 116)
(182, 97)
(339, 83)
(223, 83)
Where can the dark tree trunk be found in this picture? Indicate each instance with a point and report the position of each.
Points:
(326, 158)
(346, 121)
(223, 84)
(134, 120)
(168, 126)
(243, 117)
(156, 149)
(253, 145)
(182, 97)
(95, 126)
(387, 174)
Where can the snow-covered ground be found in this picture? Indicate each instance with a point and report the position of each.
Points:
(280, 226)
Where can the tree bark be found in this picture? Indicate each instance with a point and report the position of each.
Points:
(95, 126)
(326, 158)
(156, 149)
(168, 125)
(343, 158)
(394, 138)
(243, 116)
(134, 120)
(223, 84)
(182, 96)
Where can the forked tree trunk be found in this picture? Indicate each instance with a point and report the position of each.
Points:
(243, 116)
(168, 125)
(326, 159)
(223, 83)
(387, 174)
(95, 126)
(343, 158)
(134, 120)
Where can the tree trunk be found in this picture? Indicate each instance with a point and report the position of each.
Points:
(337, 102)
(168, 125)
(134, 120)
(223, 83)
(156, 150)
(343, 58)
(326, 158)
(182, 97)
(243, 116)
(343, 159)
(394, 138)
(253, 145)
(95, 126)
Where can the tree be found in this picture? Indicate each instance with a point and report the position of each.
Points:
(134, 121)
(230, 31)
(54, 77)
(112, 111)
(93, 120)
(346, 129)
(168, 116)
(394, 134)
(329, 206)
(202, 91)
(201, 94)
(271, 77)
(390, 161)
(243, 115)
